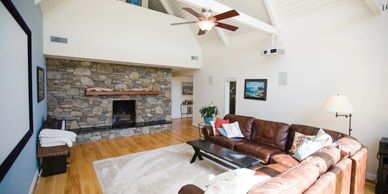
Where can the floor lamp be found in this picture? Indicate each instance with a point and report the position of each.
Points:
(341, 106)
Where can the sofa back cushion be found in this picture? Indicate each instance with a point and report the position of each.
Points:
(295, 180)
(244, 122)
(325, 158)
(308, 130)
(270, 133)
(336, 180)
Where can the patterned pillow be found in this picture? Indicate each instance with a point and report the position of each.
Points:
(298, 139)
(222, 132)
(218, 124)
(233, 130)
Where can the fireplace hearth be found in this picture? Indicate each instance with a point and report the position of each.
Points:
(124, 113)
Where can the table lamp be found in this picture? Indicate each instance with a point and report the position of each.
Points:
(341, 106)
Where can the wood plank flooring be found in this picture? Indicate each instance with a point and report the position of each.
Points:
(80, 177)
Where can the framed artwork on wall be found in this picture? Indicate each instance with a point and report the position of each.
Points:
(15, 72)
(134, 2)
(40, 83)
(255, 89)
(187, 88)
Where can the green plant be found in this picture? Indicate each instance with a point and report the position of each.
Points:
(208, 111)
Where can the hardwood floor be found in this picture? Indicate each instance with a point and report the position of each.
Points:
(80, 177)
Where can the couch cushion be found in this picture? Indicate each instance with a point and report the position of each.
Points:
(337, 180)
(271, 170)
(225, 142)
(284, 159)
(349, 144)
(244, 122)
(270, 133)
(261, 151)
(295, 180)
(325, 158)
(308, 130)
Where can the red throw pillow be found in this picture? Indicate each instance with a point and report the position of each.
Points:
(218, 124)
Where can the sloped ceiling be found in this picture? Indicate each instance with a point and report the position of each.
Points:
(253, 8)
(47, 5)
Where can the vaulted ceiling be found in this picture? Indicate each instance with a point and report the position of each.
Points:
(254, 8)
(265, 12)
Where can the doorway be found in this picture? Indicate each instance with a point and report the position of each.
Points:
(230, 96)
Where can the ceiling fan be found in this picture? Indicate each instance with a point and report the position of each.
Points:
(206, 21)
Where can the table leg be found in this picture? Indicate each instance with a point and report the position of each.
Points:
(197, 153)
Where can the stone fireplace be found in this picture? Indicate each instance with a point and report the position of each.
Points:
(124, 113)
(67, 81)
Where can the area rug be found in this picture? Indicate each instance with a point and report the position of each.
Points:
(161, 171)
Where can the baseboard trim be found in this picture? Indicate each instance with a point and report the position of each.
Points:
(33, 183)
(371, 176)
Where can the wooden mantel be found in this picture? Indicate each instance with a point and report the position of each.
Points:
(121, 93)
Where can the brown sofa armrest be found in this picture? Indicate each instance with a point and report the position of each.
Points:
(190, 189)
(207, 131)
(358, 171)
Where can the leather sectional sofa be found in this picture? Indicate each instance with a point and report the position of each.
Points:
(339, 168)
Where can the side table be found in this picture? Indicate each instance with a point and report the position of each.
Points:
(200, 126)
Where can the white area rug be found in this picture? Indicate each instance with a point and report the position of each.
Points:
(161, 171)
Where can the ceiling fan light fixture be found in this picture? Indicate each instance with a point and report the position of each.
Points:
(206, 25)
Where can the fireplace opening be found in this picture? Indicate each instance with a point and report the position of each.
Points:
(124, 113)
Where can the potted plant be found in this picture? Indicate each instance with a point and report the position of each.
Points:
(208, 112)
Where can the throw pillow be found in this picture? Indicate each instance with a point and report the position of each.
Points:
(233, 130)
(298, 139)
(218, 124)
(213, 124)
(222, 132)
(235, 181)
(310, 146)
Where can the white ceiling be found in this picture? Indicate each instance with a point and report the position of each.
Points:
(254, 8)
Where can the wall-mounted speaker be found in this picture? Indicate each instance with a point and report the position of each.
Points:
(210, 80)
(283, 78)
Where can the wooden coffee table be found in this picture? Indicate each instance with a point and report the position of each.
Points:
(221, 155)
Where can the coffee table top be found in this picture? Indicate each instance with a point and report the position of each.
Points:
(235, 158)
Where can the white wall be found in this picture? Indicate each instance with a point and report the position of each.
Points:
(115, 31)
(176, 95)
(341, 48)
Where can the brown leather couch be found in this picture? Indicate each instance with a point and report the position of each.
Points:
(339, 168)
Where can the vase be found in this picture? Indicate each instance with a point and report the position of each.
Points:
(207, 120)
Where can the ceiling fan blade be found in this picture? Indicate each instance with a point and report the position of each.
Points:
(179, 23)
(194, 13)
(226, 26)
(201, 32)
(226, 15)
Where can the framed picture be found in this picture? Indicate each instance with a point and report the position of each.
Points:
(255, 89)
(134, 2)
(40, 83)
(15, 85)
(187, 88)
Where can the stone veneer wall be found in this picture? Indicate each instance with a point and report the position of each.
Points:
(68, 79)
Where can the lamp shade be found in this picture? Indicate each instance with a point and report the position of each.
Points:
(337, 103)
